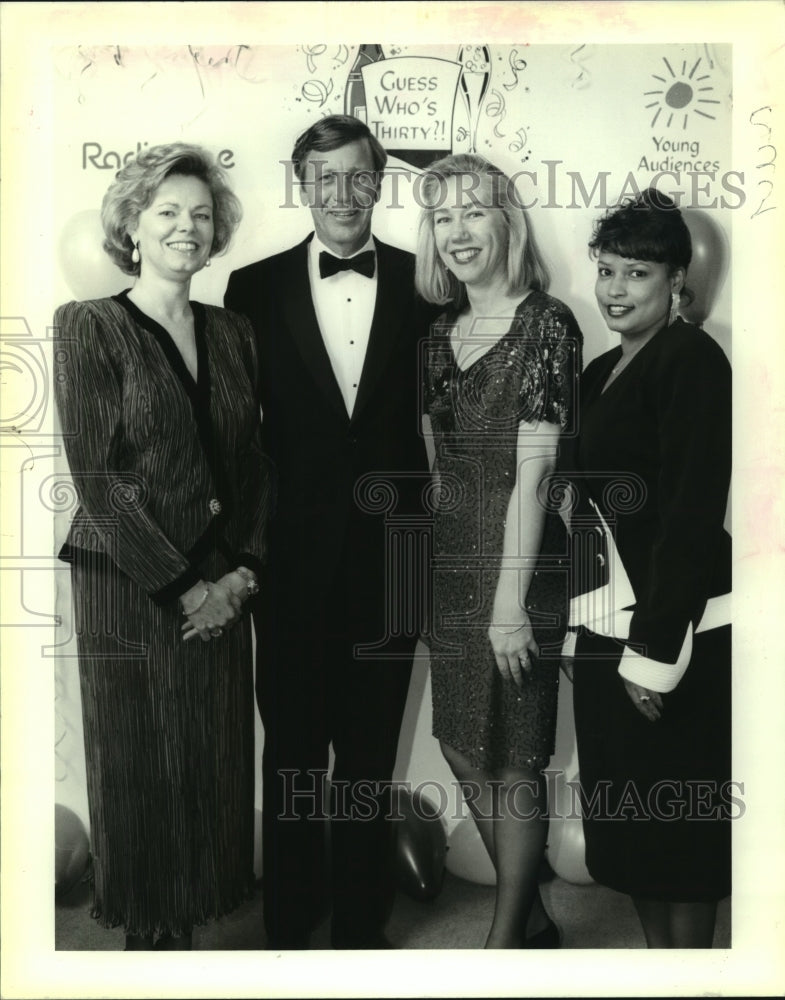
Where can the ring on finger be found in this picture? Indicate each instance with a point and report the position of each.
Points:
(644, 698)
(216, 632)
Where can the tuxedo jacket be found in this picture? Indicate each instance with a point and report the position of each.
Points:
(340, 480)
(165, 468)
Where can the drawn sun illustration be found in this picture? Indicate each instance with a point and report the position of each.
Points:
(680, 92)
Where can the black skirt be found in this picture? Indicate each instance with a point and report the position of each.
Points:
(657, 797)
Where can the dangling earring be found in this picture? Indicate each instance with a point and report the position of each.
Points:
(675, 302)
(135, 255)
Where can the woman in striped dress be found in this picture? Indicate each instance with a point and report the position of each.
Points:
(162, 430)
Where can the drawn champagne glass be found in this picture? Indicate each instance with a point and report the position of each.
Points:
(475, 61)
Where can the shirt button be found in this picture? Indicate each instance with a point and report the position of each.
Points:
(215, 506)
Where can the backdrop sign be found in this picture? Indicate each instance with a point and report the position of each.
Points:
(410, 103)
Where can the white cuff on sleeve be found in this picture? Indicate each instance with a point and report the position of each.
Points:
(653, 674)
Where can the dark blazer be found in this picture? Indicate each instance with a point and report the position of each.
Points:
(654, 455)
(336, 475)
(164, 467)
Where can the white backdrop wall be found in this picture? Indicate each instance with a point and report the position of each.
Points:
(580, 124)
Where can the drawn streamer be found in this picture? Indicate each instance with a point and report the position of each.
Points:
(316, 91)
(519, 144)
(582, 80)
(310, 52)
(81, 98)
(497, 108)
(517, 65)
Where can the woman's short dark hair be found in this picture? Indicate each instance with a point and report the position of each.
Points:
(134, 188)
(525, 267)
(331, 133)
(646, 227)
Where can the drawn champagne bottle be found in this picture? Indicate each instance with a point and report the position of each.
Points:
(475, 77)
(355, 102)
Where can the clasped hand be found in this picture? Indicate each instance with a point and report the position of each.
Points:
(514, 650)
(221, 609)
(649, 703)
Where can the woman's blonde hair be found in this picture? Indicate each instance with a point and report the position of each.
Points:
(525, 266)
(134, 188)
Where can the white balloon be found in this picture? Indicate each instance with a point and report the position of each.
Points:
(566, 850)
(86, 267)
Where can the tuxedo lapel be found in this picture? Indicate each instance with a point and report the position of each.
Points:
(300, 317)
(391, 292)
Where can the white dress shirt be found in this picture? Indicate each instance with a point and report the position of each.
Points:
(344, 305)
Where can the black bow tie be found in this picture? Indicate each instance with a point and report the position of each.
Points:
(363, 263)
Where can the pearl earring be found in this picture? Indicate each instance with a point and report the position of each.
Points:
(135, 255)
(674, 313)
(207, 262)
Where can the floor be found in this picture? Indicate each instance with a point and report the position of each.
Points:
(590, 916)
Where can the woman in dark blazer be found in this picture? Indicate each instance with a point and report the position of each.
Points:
(157, 401)
(651, 471)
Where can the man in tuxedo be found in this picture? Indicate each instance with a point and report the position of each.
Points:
(338, 330)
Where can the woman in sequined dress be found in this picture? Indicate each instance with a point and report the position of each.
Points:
(499, 384)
